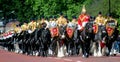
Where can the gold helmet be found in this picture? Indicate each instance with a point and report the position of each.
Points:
(24, 26)
(83, 9)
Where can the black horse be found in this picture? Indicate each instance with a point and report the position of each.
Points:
(45, 39)
(85, 37)
(111, 38)
(70, 39)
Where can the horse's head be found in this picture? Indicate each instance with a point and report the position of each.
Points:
(45, 35)
(89, 27)
(103, 31)
(44, 25)
(62, 31)
(87, 32)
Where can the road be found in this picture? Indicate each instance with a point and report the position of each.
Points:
(6, 56)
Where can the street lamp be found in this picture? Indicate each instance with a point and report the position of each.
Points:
(109, 7)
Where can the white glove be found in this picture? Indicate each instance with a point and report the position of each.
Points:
(79, 27)
(83, 24)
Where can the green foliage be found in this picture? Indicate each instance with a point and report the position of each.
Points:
(26, 9)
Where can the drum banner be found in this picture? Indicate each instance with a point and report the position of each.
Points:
(110, 30)
(69, 32)
(95, 28)
(54, 32)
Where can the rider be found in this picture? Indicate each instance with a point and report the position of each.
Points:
(109, 18)
(100, 20)
(32, 25)
(24, 27)
(17, 29)
(43, 21)
(50, 19)
(61, 21)
(55, 18)
(66, 17)
(74, 19)
(83, 19)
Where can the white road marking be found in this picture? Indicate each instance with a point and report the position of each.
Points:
(49, 57)
(57, 58)
(67, 59)
(78, 61)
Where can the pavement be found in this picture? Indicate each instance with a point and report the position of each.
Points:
(6, 56)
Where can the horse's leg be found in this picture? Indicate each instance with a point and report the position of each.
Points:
(24, 46)
(87, 47)
(9, 47)
(42, 49)
(17, 47)
(69, 50)
(114, 47)
(52, 47)
(83, 49)
(71, 47)
(99, 49)
(109, 48)
(104, 50)
(66, 47)
(46, 51)
(20, 46)
(104, 47)
(74, 48)
(33, 51)
(13, 46)
(94, 48)
(77, 45)
(55, 47)
(24, 50)
(37, 49)
(28, 48)
(60, 49)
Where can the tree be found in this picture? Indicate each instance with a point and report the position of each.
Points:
(26, 9)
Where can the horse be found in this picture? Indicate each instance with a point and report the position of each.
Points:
(54, 30)
(34, 42)
(9, 43)
(69, 38)
(37, 41)
(18, 40)
(26, 42)
(85, 38)
(112, 34)
(45, 39)
(61, 47)
(99, 39)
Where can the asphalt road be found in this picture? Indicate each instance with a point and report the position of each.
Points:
(6, 56)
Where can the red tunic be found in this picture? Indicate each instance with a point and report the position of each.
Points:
(83, 18)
